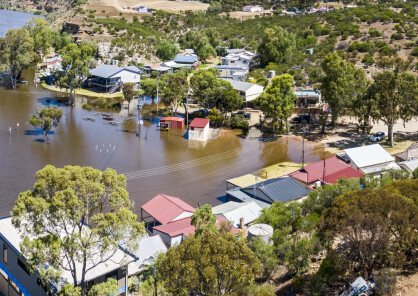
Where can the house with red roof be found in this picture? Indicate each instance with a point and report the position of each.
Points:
(326, 171)
(163, 209)
(199, 129)
(172, 122)
(173, 233)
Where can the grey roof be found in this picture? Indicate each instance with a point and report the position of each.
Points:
(234, 211)
(307, 93)
(185, 59)
(148, 247)
(243, 86)
(282, 189)
(106, 71)
(230, 67)
(189, 51)
(409, 164)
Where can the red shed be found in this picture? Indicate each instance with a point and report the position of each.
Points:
(172, 122)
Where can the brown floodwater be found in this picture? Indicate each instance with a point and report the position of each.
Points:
(154, 162)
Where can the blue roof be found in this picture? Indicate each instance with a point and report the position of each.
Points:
(185, 59)
(106, 71)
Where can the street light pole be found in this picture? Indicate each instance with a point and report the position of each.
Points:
(303, 146)
(157, 92)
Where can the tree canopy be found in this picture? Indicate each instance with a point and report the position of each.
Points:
(278, 101)
(74, 215)
(175, 89)
(277, 45)
(46, 118)
(167, 50)
(129, 92)
(16, 53)
(75, 68)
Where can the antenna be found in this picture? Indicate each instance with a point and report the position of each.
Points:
(323, 171)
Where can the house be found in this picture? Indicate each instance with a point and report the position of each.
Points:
(52, 62)
(199, 129)
(143, 9)
(174, 233)
(163, 209)
(370, 159)
(159, 68)
(149, 248)
(192, 61)
(308, 99)
(252, 8)
(172, 122)
(246, 90)
(409, 154)
(409, 165)
(239, 213)
(326, 171)
(110, 78)
(17, 279)
(238, 73)
(281, 189)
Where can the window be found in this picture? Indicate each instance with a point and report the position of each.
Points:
(4, 253)
(23, 266)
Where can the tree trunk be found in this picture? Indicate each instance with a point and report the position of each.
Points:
(155, 287)
(390, 134)
(47, 138)
(14, 81)
(287, 126)
(71, 97)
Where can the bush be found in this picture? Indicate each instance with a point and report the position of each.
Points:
(385, 282)
(414, 52)
(87, 107)
(415, 174)
(367, 60)
(374, 33)
(396, 36)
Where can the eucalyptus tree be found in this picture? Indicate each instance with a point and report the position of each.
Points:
(46, 118)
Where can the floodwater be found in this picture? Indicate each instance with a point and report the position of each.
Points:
(154, 162)
(12, 20)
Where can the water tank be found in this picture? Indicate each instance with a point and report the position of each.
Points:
(263, 231)
(271, 74)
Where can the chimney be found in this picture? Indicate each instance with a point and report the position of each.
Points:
(241, 223)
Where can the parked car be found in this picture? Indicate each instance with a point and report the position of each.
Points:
(300, 118)
(377, 137)
(243, 113)
(201, 112)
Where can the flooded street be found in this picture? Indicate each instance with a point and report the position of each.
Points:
(154, 162)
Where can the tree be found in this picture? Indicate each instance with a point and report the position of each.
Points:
(204, 221)
(211, 91)
(216, 264)
(149, 86)
(277, 45)
(213, 36)
(278, 101)
(175, 90)
(304, 4)
(167, 50)
(16, 53)
(204, 49)
(75, 68)
(151, 269)
(75, 216)
(341, 83)
(129, 92)
(46, 118)
(266, 254)
(236, 43)
(373, 224)
(394, 97)
(40, 30)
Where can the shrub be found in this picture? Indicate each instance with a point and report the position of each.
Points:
(414, 52)
(87, 107)
(396, 36)
(374, 33)
(385, 282)
(415, 173)
(367, 60)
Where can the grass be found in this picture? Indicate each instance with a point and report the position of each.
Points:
(397, 147)
(279, 169)
(83, 92)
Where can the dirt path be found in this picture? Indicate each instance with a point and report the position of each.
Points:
(173, 6)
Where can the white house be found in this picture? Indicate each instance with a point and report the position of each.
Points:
(246, 90)
(110, 78)
(239, 58)
(252, 8)
(370, 159)
(232, 72)
(199, 129)
(308, 99)
(239, 213)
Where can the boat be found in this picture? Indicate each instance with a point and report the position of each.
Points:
(113, 123)
(89, 118)
(107, 116)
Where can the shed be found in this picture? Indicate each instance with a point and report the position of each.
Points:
(199, 129)
(371, 159)
(172, 122)
(235, 211)
(243, 181)
(246, 90)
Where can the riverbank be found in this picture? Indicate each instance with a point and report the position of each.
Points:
(83, 92)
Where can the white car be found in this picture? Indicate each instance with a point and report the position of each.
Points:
(377, 137)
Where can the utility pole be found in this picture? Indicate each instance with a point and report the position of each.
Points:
(303, 146)
(157, 92)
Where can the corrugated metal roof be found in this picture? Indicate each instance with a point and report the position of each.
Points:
(199, 122)
(334, 170)
(410, 164)
(184, 227)
(282, 189)
(11, 234)
(244, 86)
(172, 118)
(185, 59)
(245, 180)
(234, 211)
(165, 208)
(148, 247)
(412, 151)
(307, 93)
(106, 71)
(369, 155)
